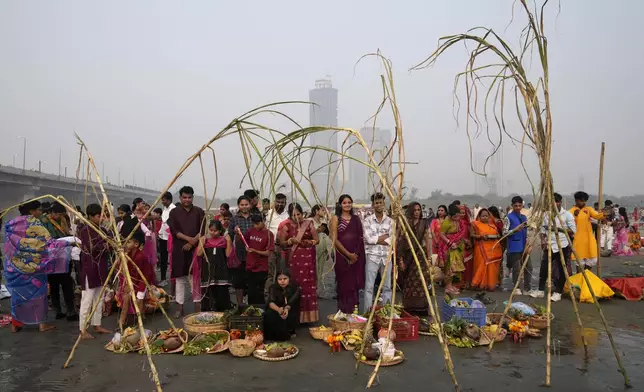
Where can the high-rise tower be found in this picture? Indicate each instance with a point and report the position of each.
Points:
(324, 112)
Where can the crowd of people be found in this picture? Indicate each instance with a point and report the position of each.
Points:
(275, 254)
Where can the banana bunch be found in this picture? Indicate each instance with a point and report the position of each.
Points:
(353, 337)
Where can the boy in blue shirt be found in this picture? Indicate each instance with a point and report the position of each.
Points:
(515, 227)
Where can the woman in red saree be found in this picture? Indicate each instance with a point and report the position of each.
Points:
(298, 239)
(435, 227)
(487, 252)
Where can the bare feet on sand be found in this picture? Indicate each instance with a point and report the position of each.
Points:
(44, 327)
(86, 336)
(99, 329)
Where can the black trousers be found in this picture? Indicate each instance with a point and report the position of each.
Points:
(64, 281)
(276, 328)
(256, 282)
(558, 275)
(163, 257)
(216, 298)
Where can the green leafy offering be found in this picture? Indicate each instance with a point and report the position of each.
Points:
(388, 310)
(455, 327)
(252, 311)
(204, 343)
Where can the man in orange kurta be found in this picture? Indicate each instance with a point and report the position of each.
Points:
(584, 243)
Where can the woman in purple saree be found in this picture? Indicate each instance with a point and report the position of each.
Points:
(30, 255)
(347, 236)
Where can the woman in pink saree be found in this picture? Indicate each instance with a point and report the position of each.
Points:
(621, 246)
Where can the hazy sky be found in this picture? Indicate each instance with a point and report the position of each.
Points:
(146, 83)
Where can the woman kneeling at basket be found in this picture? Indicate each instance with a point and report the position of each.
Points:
(282, 312)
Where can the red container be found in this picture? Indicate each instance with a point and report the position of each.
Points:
(405, 327)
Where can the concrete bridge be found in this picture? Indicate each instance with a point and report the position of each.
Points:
(17, 185)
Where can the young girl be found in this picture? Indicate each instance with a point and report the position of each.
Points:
(136, 259)
(125, 215)
(282, 312)
(214, 270)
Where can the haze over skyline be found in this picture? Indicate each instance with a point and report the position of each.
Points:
(146, 83)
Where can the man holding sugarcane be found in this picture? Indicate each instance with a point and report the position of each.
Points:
(515, 227)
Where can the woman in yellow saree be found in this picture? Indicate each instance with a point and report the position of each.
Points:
(488, 252)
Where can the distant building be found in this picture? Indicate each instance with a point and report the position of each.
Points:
(363, 181)
(490, 164)
(324, 112)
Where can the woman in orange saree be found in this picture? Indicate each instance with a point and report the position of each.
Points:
(488, 252)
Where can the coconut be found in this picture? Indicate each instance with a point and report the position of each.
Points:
(276, 352)
(134, 338)
(473, 332)
(172, 343)
(371, 353)
(383, 334)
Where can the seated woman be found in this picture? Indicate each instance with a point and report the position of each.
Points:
(634, 238)
(282, 312)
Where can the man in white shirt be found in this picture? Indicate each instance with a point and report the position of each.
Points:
(377, 238)
(607, 233)
(475, 211)
(564, 223)
(164, 232)
(274, 217)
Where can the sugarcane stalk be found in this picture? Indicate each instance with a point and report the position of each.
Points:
(124, 268)
(91, 314)
(368, 327)
(620, 365)
(374, 373)
(433, 298)
(599, 200)
(149, 287)
(446, 354)
(139, 319)
(575, 307)
(548, 298)
(509, 304)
